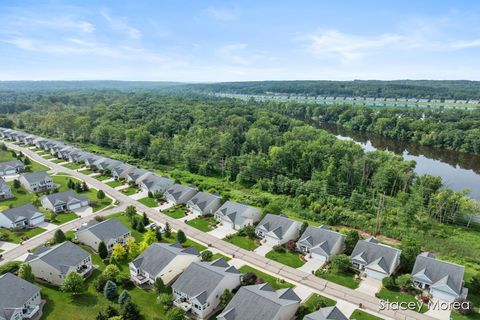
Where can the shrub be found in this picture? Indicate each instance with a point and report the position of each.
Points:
(111, 272)
(124, 297)
(404, 282)
(181, 238)
(207, 255)
(175, 314)
(249, 278)
(166, 300)
(99, 283)
(130, 311)
(59, 236)
(279, 249)
(102, 250)
(291, 246)
(100, 195)
(389, 283)
(341, 263)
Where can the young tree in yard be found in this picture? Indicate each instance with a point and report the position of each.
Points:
(341, 263)
(16, 184)
(111, 272)
(131, 211)
(150, 194)
(410, 250)
(118, 252)
(78, 187)
(389, 283)
(158, 235)
(148, 238)
(249, 231)
(84, 187)
(130, 311)
(291, 245)
(225, 298)
(175, 314)
(102, 250)
(25, 272)
(73, 283)
(70, 184)
(181, 238)
(304, 227)
(168, 230)
(124, 297)
(159, 285)
(249, 278)
(134, 223)
(350, 241)
(141, 226)
(99, 283)
(59, 236)
(100, 195)
(165, 300)
(26, 161)
(110, 291)
(207, 255)
(404, 281)
(133, 248)
(145, 219)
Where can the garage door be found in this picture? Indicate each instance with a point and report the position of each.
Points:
(319, 257)
(75, 206)
(439, 295)
(9, 172)
(37, 220)
(375, 274)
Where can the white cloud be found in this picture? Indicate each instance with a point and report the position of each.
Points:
(222, 14)
(120, 24)
(239, 54)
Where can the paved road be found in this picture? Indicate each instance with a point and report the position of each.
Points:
(251, 258)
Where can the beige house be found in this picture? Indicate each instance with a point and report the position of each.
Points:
(110, 231)
(19, 299)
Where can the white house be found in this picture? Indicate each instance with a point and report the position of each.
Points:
(179, 194)
(9, 168)
(154, 183)
(5, 191)
(63, 201)
(26, 216)
(37, 181)
(321, 243)
(19, 298)
(237, 215)
(204, 203)
(110, 231)
(277, 229)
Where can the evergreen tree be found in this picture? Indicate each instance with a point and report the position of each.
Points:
(350, 241)
(84, 187)
(131, 211)
(59, 236)
(141, 226)
(158, 235)
(181, 238)
(16, 184)
(102, 250)
(168, 230)
(25, 272)
(124, 297)
(110, 291)
(100, 195)
(130, 311)
(145, 219)
(159, 285)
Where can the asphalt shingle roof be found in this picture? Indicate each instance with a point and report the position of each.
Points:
(203, 199)
(14, 292)
(375, 255)
(10, 165)
(66, 197)
(36, 177)
(321, 239)
(237, 213)
(278, 224)
(105, 230)
(328, 313)
(27, 211)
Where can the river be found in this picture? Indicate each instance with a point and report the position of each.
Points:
(458, 170)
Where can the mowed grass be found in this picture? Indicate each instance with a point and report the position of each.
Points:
(129, 191)
(115, 183)
(149, 202)
(274, 282)
(20, 197)
(397, 296)
(217, 256)
(175, 212)
(288, 258)
(72, 165)
(204, 224)
(19, 236)
(6, 155)
(316, 301)
(61, 218)
(242, 242)
(362, 315)
(343, 279)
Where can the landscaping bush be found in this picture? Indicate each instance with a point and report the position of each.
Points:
(341, 263)
(291, 246)
(10, 267)
(249, 278)
(279, 249)
(207, 255)
(111, 272)
(389, 283)
(99, 283)
(166, 300)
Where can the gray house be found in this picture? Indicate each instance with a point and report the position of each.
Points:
(52, 264)
(106, 163)
(261, 302)
(375, 260)
(444, 280)
(110, 231)
(136, 175)
(198, 289)
(63, 201)
(237, 215)
(277, 229)
(321, 243)
(154, 183)
(37, 181)
(11, 167)
(204, 203)
(26, 216)
(179, 194)
(161, 260)
(328, 313)
(5, 191)
(20, 299)
(121, 171)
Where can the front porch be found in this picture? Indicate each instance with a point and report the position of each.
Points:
(183, 303)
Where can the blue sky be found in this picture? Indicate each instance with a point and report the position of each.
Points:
(199, 41)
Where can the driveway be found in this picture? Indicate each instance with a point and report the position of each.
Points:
(11, 177)
(346, 308)
(139, 195)
(165, 206)
(83, 212)
(123, 186)
(263, 250)
(303, 292)
(5, 246)
(189, 216)
(311, 265)
(437, 312)
(369, 286)
(48, 226)
(222, 231)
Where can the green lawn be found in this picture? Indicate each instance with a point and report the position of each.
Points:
(314, 302)
(102, 177)
(176, 212)
(115, 183)
(242, 242)
(36, 167)
(87, 171)
(188, 243)
(457, 316)
(20, 197)
(397, 296)
(219, 255)
(58, 160)
(362, 315)
(274, 282)
(288, 258)
(343, 279)
(61, 218)
(96, 203)
(126, 221)
(62, 180)
(130, 190)
(204, 224)
(19, 236)
(149, 202)
(72, 165)
(6, 156)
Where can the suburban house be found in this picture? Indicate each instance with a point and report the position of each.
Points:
(106, 163)
(237, 215)
(11, 167)
(37, 181)
(121, 171)
(74, 155)
(30, 139)
(204, 203)
(26, 216)
(444, 280)
(261, 302)
(52, 264)
(5, 191)
(327, 313)
(199, 287)
(136, 174)
(321, 243)
(277, 229)
(162, 260)
(110, 231)
(19, 298)
(179, 194)
(63, 201)
(375, 260)
(155, 184)
(89, 159)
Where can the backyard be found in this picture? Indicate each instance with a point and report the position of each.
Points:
(286, 257)
(19, 236)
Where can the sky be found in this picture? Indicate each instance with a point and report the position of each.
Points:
(212, 41)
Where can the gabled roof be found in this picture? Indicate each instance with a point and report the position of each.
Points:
(154, 181)
(137, 173)
(61, 257)
(178, 190)
(11, 165)
(14, 293)
(200, 279)
(328, 313)
(320, 239)
(237, 213)
(3, 184)
(258, 302)
(443, 275)
(25, 212)
(36, 177)
(276, 225)
(67, 197)
(203, 199)
(158, 255)
(107, 163)
(105, 230)
(375, 255)
(123, 167)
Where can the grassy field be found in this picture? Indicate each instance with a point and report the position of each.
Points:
(96, 203)
(175, 212)
(19, 236)
(149, 202)
(288, 258)
(219, 255)
(274, 282)
(397, 296)
(362, 315)
(204, 224)
(343, 279)
(242, 242)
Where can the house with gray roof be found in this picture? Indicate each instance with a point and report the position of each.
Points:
(11, 167)
(199, 287)
(277, 229)
(162, 260)
(106, 163)
(237, 215)
(89, 159)
(328, 313)
(37, 181)
(5, 191)
(121, 171)
(52, 264)
(75, 155)
(109, 231)
(261, 302)
(155, 184)
(20, 299)
(321, 243)
(180, 194)
(137, 175)
(203, 203)
(63, 201)
(26, 216)
(374, 259)
(444, 280)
